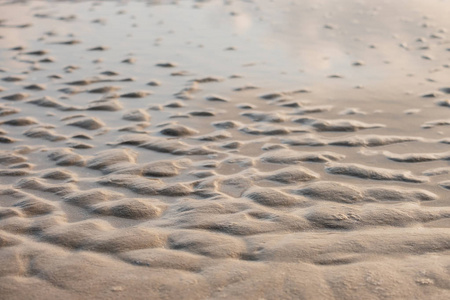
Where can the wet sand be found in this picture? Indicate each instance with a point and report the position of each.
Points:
(224, 149)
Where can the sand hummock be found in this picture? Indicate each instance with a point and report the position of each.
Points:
(225, 149)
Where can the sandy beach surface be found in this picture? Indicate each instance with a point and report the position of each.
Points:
(225, 149)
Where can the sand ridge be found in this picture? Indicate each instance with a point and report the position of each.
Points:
(237, 150)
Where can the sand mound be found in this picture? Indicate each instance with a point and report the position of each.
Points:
(287, 150)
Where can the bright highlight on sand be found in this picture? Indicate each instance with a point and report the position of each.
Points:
(225, 149)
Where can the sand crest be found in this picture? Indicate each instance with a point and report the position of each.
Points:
(224, 149)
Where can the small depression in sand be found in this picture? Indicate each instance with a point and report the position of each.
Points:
(225, 149)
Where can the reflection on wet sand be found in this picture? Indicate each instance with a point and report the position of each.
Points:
(224, 149)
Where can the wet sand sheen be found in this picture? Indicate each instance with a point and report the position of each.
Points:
(237, 150)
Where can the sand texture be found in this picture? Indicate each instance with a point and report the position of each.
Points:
(225, 149)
